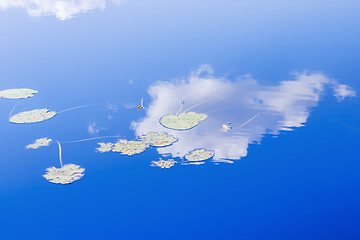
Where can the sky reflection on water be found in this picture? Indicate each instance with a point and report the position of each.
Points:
(61, 9)
(299, 183)
(284, 107)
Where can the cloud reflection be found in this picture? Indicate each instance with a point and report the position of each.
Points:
(284, 107)
(61, 9)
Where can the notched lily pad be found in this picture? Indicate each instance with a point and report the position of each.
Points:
(41, 142)
(33, 116)
(200, 154)
(64, 175)
(129, 147)
(17, 93)
(163, 163)
(156, 139)
(183, 121)
(105, 147)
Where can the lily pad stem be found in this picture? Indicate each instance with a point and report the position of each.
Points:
(59, 152)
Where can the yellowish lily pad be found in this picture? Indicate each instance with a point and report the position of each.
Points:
(105, 147)
(129, 147)
(156, 139)
(163, 163)
(183, 121)
(200, 154)
(41, 142)
(64, 175)
(17, 93)
(33, 116)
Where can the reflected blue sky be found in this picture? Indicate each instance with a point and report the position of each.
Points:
(295, 61)
(283, 107)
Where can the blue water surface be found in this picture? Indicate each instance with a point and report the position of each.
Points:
(298, 173)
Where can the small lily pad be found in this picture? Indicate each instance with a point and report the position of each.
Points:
(64, 175)
(156, 139)
(17, 93)
(33, 116)
(200, 154)
(183, 121)
(41, 142)
(105, 147)
(129, 147)
(163, 163)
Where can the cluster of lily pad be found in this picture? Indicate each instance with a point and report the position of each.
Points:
(66, 173)
(125, 147)
(69, 173)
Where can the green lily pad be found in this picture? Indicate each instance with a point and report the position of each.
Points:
(163, 163)
(17, 93)
(33, 116)
(64, 175)
(41, 142)
(183, 121)
(200, 154)
(129, 147)
(156, 139)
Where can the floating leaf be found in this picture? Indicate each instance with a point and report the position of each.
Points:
(105, 147)
(129, 147)
(183, 121)
(33, 116)
(200, 154)
(41, 142)
(17, 93)
(64, 175)
(156, 139)
(163, 163)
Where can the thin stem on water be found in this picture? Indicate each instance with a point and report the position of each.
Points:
(75, 108)
(88, 139)
(181, 106)
(12, 110)
(194, 106)
(250, 120)
(215, 110)
(59, 152)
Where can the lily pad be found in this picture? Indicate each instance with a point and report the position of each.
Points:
(156, 139)
(64, 175)
(163, 163)
(33, 116)
(105, 147)
(183, 121)
(200, 154)
(129, 147)
(41, 142)
(17, 93)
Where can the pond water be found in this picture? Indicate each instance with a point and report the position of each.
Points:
(183, 119)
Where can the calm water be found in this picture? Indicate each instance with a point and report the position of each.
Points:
(291, 172)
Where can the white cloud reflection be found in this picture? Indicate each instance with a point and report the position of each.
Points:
(61, 9)
(285, 107)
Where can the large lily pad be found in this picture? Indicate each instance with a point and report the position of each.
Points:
(64, 175)
(129, 147)
(163, 163)
(200, 154)
(17, 93)
(41, 142)
(183, 121)
(156, 139)
(33, 116)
